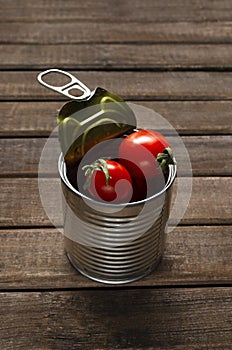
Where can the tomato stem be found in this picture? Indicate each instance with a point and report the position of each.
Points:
(165, 158)
(99, 165)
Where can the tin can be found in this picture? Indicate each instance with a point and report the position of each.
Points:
(114, 243)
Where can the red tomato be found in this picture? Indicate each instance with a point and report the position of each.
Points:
(145, 188)
(138, 153)
(109, 181)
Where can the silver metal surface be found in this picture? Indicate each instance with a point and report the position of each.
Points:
(64, 90)
(117, 246)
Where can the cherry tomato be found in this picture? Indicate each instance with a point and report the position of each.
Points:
(138, 153)
(109, 181)
(145, 188)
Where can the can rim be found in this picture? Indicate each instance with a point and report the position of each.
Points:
(62, 172)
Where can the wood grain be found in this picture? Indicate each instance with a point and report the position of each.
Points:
(35, 259)
(20, 202)
(115, 32)
(130, 85)
(22, 156)
(148, 10)
(117, 319)
(187, 117)
(172, 56)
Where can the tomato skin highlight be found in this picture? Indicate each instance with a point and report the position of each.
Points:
(117, 188)
(138, 153)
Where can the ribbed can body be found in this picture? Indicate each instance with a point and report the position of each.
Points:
(114, 243)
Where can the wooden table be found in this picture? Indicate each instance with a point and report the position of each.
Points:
(173, 57)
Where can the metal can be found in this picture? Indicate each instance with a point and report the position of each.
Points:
(114, 243)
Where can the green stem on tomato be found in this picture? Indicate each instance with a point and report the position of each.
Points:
(99, 165)
(165, 158)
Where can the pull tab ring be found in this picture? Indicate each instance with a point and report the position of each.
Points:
(64, 90)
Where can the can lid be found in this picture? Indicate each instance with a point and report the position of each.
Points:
(88, 119)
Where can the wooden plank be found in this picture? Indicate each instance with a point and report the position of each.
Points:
(22, 156)
(147, 10)
(115, 32)
(194, 319)
(188, 117)
(193, 255)
(20, 203)
(130, 85)
(82, 56)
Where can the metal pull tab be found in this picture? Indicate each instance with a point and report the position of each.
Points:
(64, 90)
